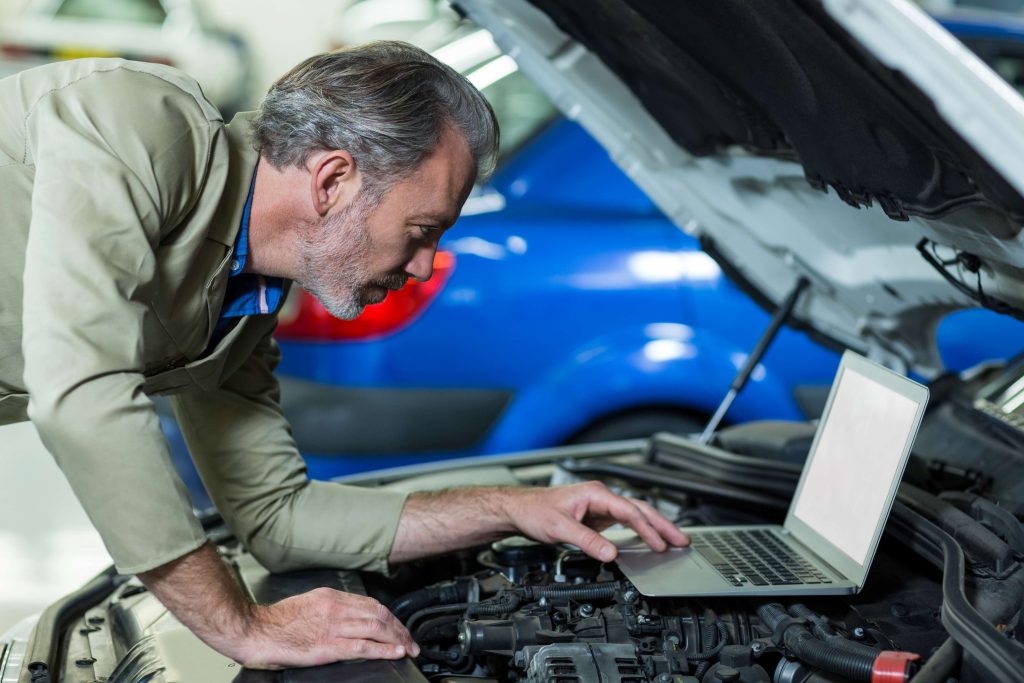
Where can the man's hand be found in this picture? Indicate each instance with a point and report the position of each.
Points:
(577, 513)
(317, 627)
(459, 518)
(324, 626)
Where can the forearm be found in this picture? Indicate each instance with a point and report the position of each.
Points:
(460, 518)
(440, 521)
(309, 629)
(220, 614)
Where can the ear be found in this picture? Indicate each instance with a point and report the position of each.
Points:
(334, 180)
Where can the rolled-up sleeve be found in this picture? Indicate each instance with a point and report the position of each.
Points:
(245, 453)
(97, 214)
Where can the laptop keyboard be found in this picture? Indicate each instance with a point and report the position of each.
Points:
(755, 557)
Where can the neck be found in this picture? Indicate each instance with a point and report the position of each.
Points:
(273, 218)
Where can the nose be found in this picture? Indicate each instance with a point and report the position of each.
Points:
(421, 266)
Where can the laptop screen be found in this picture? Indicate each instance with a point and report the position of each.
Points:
(859, 452)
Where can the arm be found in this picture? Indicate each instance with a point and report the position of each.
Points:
(244, 451)
(314, 628)
(89, 272)
(447, 520)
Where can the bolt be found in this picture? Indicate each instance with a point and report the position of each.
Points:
(674, 639)
(859, 633)
(462, 637)
(586, 610)
(899, 609)
(757, 647)
(630, 596)
(543, 602)
(84, 661)
(665, 678)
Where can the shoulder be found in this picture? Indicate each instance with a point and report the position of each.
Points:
(152, 119)
(129, 88)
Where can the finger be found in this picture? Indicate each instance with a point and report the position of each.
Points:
(625, 511)
(372, 620)
(586, 539)
(373, 629)
(368, 649)
(669, 531)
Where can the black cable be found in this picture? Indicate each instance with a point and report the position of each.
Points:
(978, 295)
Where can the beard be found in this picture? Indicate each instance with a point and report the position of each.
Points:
(335, 254)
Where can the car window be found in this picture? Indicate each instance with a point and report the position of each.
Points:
(522, 110)
(132, 11)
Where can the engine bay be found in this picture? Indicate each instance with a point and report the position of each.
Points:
(942, 602)
(548, 615)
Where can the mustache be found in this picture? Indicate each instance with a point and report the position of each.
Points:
(392, 281)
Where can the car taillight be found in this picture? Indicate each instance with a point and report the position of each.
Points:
(303, 318)
(14, 51)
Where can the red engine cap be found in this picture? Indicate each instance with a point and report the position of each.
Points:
(892, 666)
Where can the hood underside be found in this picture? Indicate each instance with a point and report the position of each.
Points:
(854, 143)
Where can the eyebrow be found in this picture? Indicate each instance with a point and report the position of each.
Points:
(442, 219)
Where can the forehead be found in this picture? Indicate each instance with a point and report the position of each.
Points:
(439, 186)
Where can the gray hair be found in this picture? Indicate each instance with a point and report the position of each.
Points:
(387, 103)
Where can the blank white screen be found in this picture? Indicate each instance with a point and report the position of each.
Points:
(851, 472)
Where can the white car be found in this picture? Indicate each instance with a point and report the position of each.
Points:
(164, 31)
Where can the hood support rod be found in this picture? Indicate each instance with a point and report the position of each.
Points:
(782, 314)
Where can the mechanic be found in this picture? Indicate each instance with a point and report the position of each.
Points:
(147, 248)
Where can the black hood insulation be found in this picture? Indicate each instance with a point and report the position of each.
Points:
(781, 78)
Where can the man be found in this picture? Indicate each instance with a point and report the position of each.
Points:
(147, 247)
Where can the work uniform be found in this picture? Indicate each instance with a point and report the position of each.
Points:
(122, 199)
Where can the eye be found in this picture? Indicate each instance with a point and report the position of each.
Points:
(426, 231)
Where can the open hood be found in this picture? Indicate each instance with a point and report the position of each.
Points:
(854, 143)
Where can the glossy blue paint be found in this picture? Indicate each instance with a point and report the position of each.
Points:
(585, 302)
(576, 295)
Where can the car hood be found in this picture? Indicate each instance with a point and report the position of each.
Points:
(846, 142)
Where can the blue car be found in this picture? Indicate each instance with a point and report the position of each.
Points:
(565, 308)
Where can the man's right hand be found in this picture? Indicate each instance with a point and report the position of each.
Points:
(323, 626)
(318, 627)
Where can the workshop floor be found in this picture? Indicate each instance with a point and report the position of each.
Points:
(47, 545)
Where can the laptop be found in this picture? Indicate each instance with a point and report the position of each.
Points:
(835, 520)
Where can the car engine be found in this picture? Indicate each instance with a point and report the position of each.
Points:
(543, 614)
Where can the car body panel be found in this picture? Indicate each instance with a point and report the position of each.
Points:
(776, 225)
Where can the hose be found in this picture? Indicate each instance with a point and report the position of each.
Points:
(823, 630)
(504, 602)
(431, 611)
(441, 594)
(802, 644)
(709, 633)
(592, 591)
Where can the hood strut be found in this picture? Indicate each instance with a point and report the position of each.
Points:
(781, 316)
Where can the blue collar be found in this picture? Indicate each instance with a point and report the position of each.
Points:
(247, 293)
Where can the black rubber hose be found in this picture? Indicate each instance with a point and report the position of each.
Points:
(593, 591)
(803, 645)
(441, 594)
(431, 611)
(504, 603)
(772, 614)
(823, 630)
(709, 632)
(941, 666)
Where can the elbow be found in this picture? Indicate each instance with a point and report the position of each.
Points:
(274, 557)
